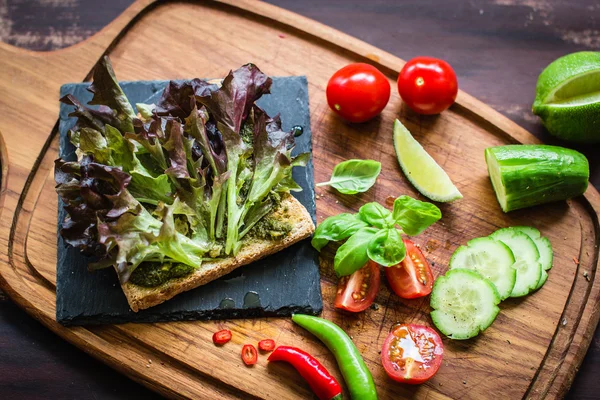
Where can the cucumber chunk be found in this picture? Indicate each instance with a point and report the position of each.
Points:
(492, 259)
(464, 303)
(527, 175)
(529, 269)
(544, 247)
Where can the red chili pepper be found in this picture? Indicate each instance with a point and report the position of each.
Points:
(249, 354)
(266, 345)
(325, 386)
(222, 337)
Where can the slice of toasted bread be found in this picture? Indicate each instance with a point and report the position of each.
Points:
(251, 250)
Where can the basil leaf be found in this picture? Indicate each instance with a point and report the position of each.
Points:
(414, 216)
(354, 176)
(352, 255)
(338, 227)
(386, 247)
(376, 215)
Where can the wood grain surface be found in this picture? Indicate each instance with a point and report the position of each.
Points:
(130, 51)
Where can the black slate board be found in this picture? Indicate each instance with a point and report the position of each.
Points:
(278, 285)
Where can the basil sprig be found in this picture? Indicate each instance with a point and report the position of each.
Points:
(372, 233)
(354, 176)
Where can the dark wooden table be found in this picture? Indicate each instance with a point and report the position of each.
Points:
(497, 47)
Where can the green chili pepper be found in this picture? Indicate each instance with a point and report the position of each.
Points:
(356, 374)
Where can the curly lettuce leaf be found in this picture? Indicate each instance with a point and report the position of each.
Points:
(137, 238)
(88, 117)
(107, 92)
(178, 98)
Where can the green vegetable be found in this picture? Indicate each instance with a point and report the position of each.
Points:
(336, 228)
(567, 97)
(527, 256)
(512, 261)
(464, 303)
(352, 255)
(387, 247)
(414, 216)
(528, 175)
(545, 249)
(376, 215)
(200, 168)
(354, 176)
(492, 259)
(356, 374)
(372, 233)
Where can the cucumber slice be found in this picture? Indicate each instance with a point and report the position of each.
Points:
(529, 269)
(543, 279)
(546, 255)
(464, 303)
(527, 175)
(492, 259)
(544, 247)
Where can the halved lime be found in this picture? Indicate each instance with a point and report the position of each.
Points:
(421, 169)
(568, 97)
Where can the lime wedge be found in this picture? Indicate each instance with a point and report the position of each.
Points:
(422, 170)
(568, 97)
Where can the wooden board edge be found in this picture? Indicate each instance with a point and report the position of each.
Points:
(467, 102)
(4, 162)
(584, 334)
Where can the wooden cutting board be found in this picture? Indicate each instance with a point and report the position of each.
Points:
(533, 348)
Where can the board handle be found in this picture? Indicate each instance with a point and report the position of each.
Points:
(80, 58)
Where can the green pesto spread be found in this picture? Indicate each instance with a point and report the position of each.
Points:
(270, 228)
(154, 274)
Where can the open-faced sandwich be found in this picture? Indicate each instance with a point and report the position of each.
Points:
(184, 191)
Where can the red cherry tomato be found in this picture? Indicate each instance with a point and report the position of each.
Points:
(266, 345)
(358, 92)
(222, 337)
(249, 354)
(427, 85)
(412, 353)
(356, 292)
(411, 278)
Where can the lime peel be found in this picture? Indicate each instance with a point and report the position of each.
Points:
(568, 97)
(421, 169)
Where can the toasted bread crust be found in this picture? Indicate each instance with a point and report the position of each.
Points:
(252, 249)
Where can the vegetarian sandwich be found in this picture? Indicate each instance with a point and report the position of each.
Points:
(184, 191)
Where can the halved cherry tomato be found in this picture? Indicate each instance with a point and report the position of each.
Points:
(427, 85)
(249, 354)
(266, 345)
(411, 278)
(222, 337)
(412, 353)
(358, 92)
(356, 292)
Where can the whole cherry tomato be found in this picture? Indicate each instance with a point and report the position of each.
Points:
(358, 92)
(427, 85)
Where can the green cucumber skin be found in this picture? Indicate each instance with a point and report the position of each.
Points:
(537, 174)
